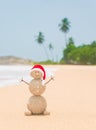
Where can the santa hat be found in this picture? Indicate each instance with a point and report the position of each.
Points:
(39, 68)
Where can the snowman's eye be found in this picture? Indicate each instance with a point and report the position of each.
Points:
(36, 72)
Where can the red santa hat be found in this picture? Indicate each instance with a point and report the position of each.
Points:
(40, 68)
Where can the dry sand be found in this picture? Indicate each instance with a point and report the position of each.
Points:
(71, 100)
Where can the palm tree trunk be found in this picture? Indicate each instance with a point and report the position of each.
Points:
(65, 39)
(46, 51)
(52, 55)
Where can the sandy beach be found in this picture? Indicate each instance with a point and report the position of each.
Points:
(71, 101)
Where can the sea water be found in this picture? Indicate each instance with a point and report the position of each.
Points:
(12, 74)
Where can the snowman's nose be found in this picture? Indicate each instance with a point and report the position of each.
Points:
(37, 73)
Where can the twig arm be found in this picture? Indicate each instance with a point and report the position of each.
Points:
(49, 80)
(24, 81)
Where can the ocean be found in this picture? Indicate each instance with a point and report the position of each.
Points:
(12, 74)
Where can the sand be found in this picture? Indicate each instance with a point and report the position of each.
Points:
(71, 101)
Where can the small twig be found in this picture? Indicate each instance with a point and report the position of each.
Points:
(24, 81)
(52, 78)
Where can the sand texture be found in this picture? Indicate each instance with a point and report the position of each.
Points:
(71, 101)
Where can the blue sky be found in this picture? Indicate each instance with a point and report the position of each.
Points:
(20, 22)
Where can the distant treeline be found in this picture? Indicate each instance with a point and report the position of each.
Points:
(84, 54)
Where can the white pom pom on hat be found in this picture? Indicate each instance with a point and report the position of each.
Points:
(40, 68)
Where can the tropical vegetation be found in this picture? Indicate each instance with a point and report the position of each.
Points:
(84, 54)
(65, 27)
(72, 54)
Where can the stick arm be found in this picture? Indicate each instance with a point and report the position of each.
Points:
(52, 78)
(24, 81)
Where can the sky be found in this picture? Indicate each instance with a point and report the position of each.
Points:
(22, 20)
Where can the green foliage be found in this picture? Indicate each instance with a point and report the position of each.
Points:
(65, 27)
(68, 50)
(85, 54)
(47, 62)
(40, 38)
(62, 61)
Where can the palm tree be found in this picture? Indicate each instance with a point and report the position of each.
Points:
(70, 41)
(51, 48)
(64, 27)
(40, 39)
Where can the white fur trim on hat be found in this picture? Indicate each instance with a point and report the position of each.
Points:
(38, 70)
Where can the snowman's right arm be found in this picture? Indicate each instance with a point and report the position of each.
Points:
(24, 81)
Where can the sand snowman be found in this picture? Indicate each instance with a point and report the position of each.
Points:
(37, 103)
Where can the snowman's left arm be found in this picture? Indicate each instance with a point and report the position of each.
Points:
(49, 80)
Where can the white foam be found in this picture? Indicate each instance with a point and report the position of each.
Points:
(13, 74)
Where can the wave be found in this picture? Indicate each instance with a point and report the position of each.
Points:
(12, 74)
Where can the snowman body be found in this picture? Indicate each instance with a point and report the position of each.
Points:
(36, 87)
(37, 103)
